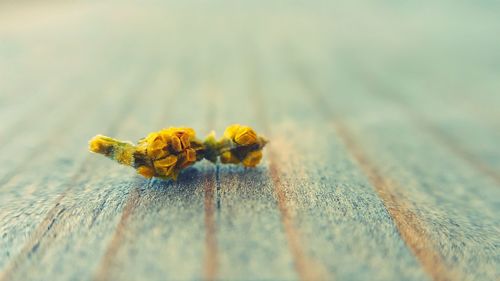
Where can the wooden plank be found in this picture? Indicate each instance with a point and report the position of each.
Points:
(466, 136)
(327, 213)
(373, 171)
(60, 188)
(22, 192)
(386, 140)
(166, 221)
(250, 233)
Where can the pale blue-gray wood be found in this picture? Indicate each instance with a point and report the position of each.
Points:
(383, 120)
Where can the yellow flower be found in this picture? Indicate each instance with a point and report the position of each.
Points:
(167, 152)
(120, 151)
(245, 146)
(156, 147)
(146, 171)
(242, 135)
(164, 167)
(252, 158)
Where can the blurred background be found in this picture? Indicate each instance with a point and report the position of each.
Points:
(432, 55)
(414, 83)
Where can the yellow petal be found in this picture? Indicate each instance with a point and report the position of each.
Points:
(146, 171)
(176, 144)
(252, 159)
(245, 136)
(165, 172)
(166, 162)
(142, 147)
(190, 132)
(156, 146)
(124, 155)
(101, 144)
(230, 131)
(185, 140)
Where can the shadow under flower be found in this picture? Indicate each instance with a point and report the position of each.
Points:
(191, 177)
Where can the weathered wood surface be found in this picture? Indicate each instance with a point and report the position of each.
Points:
(384, 161)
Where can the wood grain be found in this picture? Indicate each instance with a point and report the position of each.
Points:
(383, 161)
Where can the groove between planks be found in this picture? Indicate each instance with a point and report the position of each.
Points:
(307, 267)
(45, 226)
(410, 227)
(59, 130)
(210, 260)
(383, 91)
(211, 249)
(131, 203)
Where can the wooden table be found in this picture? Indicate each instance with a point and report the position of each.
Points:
(384, 121)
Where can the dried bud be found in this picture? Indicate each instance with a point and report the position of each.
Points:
(165, 153)
(245, 146)
(169, 151)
